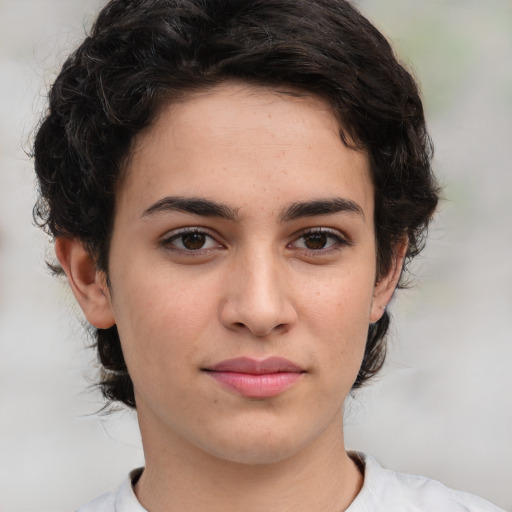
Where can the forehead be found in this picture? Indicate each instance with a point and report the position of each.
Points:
(279, 143)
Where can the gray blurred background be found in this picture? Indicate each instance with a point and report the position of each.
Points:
(443, 405)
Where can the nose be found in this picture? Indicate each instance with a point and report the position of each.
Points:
(257, 297)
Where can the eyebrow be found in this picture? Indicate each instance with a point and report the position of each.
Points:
(208, 208)
(193, 205)
(318, 207)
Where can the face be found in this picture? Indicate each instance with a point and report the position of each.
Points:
(242, 273)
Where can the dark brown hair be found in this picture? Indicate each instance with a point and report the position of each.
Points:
(141, 54)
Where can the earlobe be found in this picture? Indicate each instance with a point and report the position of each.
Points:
(87, 283)
(386, 285)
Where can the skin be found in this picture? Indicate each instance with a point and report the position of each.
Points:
(263, 282)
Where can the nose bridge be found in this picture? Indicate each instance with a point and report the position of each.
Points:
(258, 297)
(262, 288)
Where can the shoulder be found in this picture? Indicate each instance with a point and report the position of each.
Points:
(104, 503)
(122, 499)
(385, 490)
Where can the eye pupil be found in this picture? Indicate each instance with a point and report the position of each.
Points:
(194, 241)
(315, 240)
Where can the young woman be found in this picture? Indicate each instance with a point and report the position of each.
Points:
(235, 189)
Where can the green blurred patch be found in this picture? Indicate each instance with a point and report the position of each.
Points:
(447, 43)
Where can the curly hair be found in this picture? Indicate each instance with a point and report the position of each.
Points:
(142, 54)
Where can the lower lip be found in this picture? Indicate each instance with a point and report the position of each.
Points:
(257, 386)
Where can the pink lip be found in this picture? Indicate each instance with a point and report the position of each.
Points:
(256, 379)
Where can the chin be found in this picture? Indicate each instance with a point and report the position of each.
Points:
(266, 446)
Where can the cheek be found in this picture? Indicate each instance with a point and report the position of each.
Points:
(337, 316)
(160, 320)
(341, 299)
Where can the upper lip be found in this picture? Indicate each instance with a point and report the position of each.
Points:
(256, 367)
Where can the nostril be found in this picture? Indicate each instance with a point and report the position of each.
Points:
(259, 332)
(260, 317)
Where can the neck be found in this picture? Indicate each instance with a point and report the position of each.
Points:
(180, 476)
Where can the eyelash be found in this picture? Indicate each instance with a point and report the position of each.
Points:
(338, 241)
(168, 241)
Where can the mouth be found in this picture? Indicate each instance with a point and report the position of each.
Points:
(256, 379)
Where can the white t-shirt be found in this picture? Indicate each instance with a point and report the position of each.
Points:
(383, 491)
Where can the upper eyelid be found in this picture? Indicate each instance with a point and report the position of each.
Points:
(188, 229)
(321, 229)
(175, 233)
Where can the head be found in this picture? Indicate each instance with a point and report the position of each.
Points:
(143, 56)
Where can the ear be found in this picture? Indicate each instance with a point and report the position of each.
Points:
(89, 285)
(386, 285)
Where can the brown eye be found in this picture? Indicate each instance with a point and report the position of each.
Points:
(193, 241)
(315, 241)
(320, 241)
